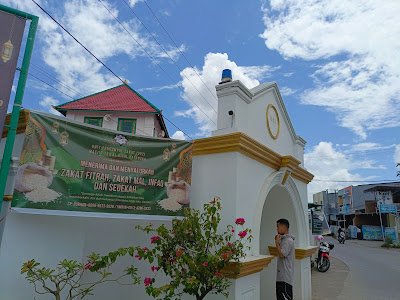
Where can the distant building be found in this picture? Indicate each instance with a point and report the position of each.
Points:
(119, 108)
(359, 205)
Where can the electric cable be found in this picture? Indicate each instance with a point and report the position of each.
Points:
(154, 61)
(77, 40)
(108, 67)
(183, 55)
(50, 85)
(165, 51)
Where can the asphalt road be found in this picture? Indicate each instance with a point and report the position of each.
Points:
(374, 272)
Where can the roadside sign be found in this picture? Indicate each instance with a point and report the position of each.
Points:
(387, 208)
(391, 231)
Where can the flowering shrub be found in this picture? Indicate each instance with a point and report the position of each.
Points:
(68, 273)
(193, 254)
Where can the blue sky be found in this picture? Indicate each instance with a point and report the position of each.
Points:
(335, 62)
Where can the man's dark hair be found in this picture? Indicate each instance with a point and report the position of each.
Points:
(283, 222)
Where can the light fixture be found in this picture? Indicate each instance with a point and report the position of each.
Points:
(64, 136)
(55, 128)
(166, 154)
(173, 148)
(7, 51)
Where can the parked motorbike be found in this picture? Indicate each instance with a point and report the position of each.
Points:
(323, 260)
(341, 237)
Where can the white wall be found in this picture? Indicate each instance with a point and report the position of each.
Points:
(249, 107)
(145, 123)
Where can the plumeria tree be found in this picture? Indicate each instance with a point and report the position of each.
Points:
(66, 278)
(194, 254)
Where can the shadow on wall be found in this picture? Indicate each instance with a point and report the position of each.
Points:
(277, 205)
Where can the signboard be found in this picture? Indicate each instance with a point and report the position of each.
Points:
(348, 196)
(319, 223)
(11, 32)
(387, 208)
(372, 232)
(384, 197)
(70, 166)
(344, 209)
(353, 232)
(391, 231)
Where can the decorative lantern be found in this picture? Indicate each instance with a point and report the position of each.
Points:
(64, 136)
(173, 148)
(55, 128)
(166, 154)
(7, 50)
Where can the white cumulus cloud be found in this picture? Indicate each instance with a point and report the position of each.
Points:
(330, 165)
(369, 147)
(91, 23)
(179, 135)
(287, 91)
(47, 104)
(358, 78)
(204, 106)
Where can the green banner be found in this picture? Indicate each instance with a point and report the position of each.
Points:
(71, 166)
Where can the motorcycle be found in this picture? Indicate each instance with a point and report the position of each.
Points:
(323, 260)
(341, 237)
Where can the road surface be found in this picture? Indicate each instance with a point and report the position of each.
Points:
(374, 272)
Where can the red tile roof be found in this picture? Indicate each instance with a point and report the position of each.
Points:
(120, 98)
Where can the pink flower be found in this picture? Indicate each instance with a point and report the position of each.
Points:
(228, 244)
(153, 268)
(145, 249)
(233, 230)
(88, 265)
(218, 274)
(178, 252)
(242, 234)
(239, 221)
(147, 281)
(205, 264)
(138, 256)
(154, 238)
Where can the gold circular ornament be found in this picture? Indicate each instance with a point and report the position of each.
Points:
(273, 121)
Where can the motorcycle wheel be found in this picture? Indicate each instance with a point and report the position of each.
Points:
(323, 265)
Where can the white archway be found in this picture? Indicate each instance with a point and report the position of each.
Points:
(275, 201)
(273, 180)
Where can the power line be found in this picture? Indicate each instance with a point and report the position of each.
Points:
(48, 75)
(77, 41)
(165, 51)
(179, 49)
(374, 181)
(50, 85)
(55, 80)
(154, 61)
(177, 127)
(108, 67)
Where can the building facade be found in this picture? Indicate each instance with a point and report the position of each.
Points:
(376, 205)
(120, 108)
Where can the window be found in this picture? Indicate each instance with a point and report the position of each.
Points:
(127, 125)
(96, 121)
